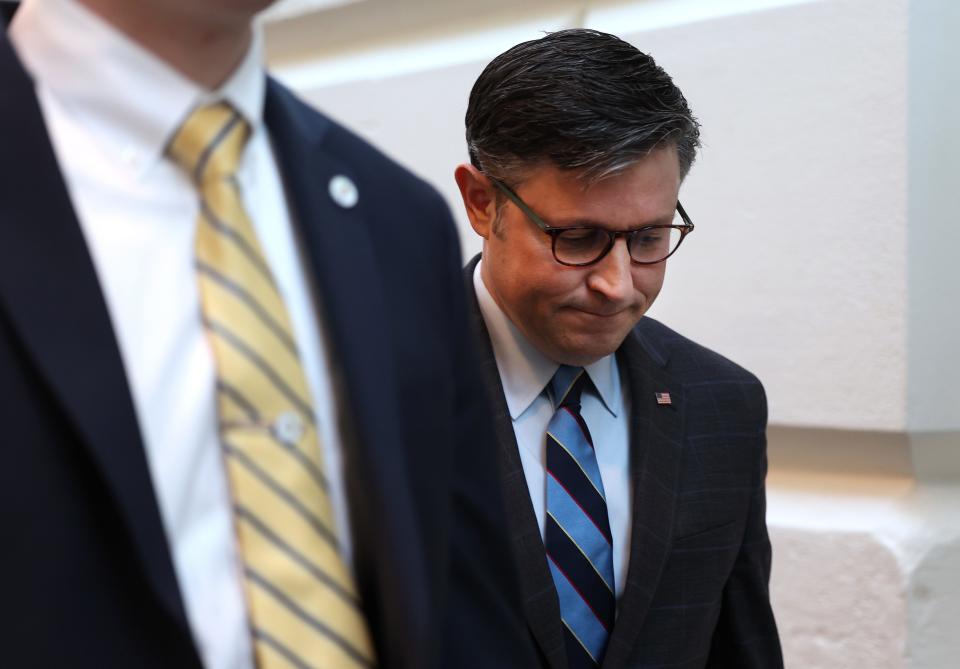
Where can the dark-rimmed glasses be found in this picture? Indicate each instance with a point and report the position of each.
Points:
(581, 245)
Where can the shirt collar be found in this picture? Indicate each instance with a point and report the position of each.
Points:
(130, 100)
(524, 370)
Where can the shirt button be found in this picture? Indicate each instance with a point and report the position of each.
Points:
(288, 427)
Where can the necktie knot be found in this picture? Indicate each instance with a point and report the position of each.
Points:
(209, 143)
(567, 385)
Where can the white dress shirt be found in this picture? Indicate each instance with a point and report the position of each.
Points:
(525, 373)
(110, 108)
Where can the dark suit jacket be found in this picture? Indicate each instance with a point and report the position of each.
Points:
(696, 589)
(89, 580)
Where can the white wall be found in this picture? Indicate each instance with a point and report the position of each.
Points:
(822, 260)
(800, 194)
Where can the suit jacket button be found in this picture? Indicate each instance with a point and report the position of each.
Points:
(344, 191)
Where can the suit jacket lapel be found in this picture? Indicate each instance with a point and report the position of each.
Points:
(50, 294)
(348, 284)
(655, 458)
(541, 606)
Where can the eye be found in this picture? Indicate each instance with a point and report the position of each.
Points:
(579, 245)
(582, 235)
(575, 236)
(651, 237)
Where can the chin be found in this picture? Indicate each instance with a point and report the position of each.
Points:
(586, 351)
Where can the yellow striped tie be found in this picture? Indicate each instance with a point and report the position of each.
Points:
(303, 603)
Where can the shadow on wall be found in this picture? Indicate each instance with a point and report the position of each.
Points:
(934, 609)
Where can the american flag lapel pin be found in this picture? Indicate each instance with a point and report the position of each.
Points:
(663, 399)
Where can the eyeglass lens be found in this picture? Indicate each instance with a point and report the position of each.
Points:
(580, 246)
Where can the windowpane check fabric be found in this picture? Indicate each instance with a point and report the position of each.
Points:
(303, 604)
(578, 539)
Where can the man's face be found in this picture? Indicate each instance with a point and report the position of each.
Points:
(577, 315)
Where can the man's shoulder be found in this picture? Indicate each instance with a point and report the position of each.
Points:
(686, 360)
(379, 172)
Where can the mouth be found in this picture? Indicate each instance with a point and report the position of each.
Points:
(601, 314)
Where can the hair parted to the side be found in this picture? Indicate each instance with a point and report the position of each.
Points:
(580, 99)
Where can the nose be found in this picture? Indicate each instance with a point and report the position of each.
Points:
(611, 277)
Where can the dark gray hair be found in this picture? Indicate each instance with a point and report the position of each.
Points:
(580, 99)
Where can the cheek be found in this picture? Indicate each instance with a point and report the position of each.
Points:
(555, 286)
(540, 291)
(527, 272)
(648, 281)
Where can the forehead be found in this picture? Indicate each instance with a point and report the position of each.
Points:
(646, 191)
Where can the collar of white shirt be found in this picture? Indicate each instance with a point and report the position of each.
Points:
(128, 99)
(524, 370)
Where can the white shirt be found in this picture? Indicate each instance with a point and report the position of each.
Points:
(525, 373)
(110, 108)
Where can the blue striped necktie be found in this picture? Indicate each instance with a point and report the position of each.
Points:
(578, 541)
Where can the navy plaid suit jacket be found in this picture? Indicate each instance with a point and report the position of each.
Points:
(696, 594)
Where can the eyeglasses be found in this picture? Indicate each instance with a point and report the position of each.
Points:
(581, 245)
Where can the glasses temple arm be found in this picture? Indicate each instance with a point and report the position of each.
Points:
(506, 190)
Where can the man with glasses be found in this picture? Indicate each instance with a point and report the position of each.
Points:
(633, 459)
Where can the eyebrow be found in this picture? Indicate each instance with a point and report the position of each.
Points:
(590, 223)
(580, 222)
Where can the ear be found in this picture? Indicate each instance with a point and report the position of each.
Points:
(478, 198)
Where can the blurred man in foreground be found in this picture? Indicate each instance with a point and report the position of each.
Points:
(633, 459)
(242, 425)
